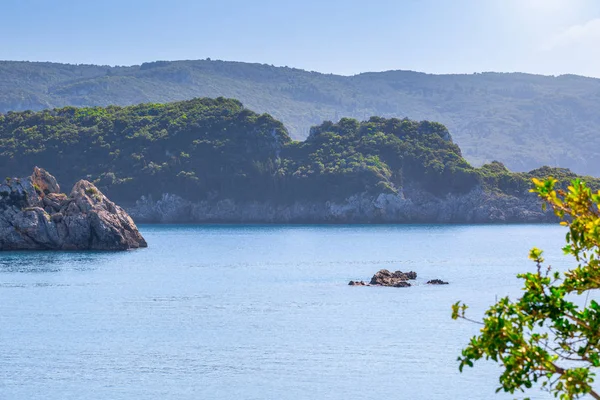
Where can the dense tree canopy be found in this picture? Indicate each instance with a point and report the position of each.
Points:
(151, 148)
(216, 148)
(523, 120)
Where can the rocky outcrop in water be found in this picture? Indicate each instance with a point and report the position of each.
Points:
(410, 205)
(35, 215)
(394, 279)
(436, 282)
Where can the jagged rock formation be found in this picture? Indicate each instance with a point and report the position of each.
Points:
(394, 279)
(35, 215)
(410, 205)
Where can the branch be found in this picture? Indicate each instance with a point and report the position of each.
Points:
(561, 372)
(471, 320)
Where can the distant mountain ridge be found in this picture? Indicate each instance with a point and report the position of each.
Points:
(522, 120)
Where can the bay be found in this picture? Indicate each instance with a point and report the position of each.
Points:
(259, 312)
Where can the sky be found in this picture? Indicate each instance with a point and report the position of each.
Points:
(549, 37)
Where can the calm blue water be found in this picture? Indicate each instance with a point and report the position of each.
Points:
(258, 312)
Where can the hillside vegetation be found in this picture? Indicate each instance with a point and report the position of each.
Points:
(522, 120)
(217, 149)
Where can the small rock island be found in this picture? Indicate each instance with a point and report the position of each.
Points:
(35, 215)
(394, 279)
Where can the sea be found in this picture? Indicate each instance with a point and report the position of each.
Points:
(261, 312)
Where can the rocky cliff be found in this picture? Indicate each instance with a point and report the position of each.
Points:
(35, 215)
(410, 205)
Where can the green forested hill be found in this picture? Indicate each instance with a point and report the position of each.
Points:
(522, 120)
(217, 149)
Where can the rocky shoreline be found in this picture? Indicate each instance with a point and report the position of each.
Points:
(35, 215)
(407, 206)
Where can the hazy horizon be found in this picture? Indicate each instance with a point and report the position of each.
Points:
(302, 69)
(542, 37)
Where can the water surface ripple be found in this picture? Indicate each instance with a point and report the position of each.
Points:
(258, 312)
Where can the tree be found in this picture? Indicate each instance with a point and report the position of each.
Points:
(550, 336)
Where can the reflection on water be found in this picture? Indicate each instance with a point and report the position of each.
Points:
(51, 261)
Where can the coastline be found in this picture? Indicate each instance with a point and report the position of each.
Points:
(405, 207)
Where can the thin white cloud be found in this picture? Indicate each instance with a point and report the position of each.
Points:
(549, 5)
(587, 34)
(551, 10)
(572, 50)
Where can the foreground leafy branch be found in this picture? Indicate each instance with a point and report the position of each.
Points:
(550, 336)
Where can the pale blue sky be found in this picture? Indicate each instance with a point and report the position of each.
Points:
(344, 37)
